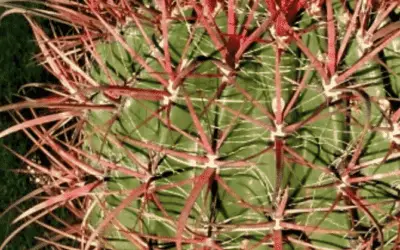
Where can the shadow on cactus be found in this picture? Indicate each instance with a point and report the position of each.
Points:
(219, 124)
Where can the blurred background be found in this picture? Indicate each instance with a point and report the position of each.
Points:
(17, 67)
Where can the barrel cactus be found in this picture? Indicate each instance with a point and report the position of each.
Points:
(218, 124)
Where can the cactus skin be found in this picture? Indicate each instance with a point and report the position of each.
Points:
(245, 130)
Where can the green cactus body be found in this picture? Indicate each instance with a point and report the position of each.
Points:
(324, 142)
(320, 142)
